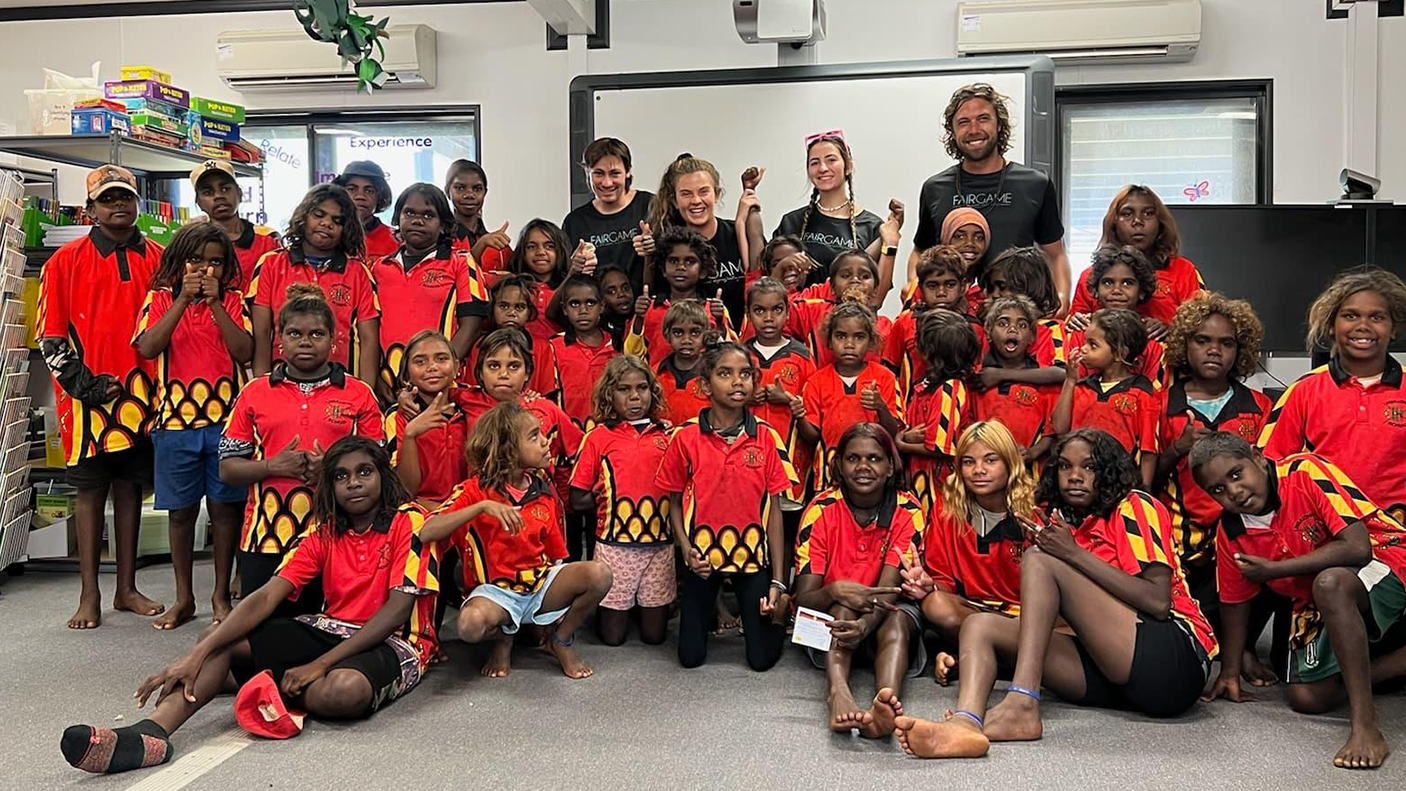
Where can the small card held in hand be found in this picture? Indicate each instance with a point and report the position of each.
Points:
(812, 629)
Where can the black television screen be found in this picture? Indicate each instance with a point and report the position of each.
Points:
(1280, 258)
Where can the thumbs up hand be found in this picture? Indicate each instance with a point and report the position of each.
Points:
(644, 241)
(715, 307)
(642, 302)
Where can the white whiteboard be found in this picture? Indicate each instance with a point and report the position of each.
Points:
(893, 124)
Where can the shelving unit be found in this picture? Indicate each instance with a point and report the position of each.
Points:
(14, 378)
(89, 151)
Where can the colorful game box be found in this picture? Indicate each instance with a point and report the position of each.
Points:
(98, 121)
(145, 73)
(147, 89)
(219, 111)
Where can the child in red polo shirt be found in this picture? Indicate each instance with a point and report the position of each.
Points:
(1122, 278)
(324, 247)
(1352, 410)
(510, 305)
(368, 646)
(617, 301)
(941, 407)
(679, 372)
(90, 294)
(218, 194)
(583, 349)
(853, 541)
(425, 284)
(366, 183)
(614, 478)
(850, 390)
(1024, 271)
(725, 472)
(854, 277)
(942, 281)
(466, 184)
(543, 252)
(1114, 398)
(972, 548)
(1213, 343)
(1303, 529)
(280, 427)
(195, 324)
(681, 257)
(1138, 217)
(506, 523)
(1012, 387)
(427, 442)
(1105, 563)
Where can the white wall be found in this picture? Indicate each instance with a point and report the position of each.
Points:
(494, 55)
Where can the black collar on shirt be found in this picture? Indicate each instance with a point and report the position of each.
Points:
(749, 422)
(1234, 524)
(570, 337)
(443, 250)
(337, 263)
(1134, 382)
(1008, 529)
(790, 347)
(990, 361)
(888, 506)
(336, 374)
(681, 378)
(1391, 375)
(107, 245)
(245, 240)
(381, 524)
(1242, 402)
(616, 422)
(462, 231)
(537, 487)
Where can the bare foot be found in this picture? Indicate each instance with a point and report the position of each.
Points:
(440, 657)
(1365, 749)
(944, 668)
(499, 658)
(882, 713)
(221, 607)
(571, 664)
(845, 714)
(1256, 672)
(179, 613)
(134, 601)
(89, 614)
(1014, 719)
(955, 738)
(727, 622)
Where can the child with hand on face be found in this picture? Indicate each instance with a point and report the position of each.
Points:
(1122, 278)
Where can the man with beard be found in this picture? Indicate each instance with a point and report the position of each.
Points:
(218, 195)
(1018, 202)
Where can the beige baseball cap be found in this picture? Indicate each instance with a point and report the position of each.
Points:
(210, 166)
(105, 178)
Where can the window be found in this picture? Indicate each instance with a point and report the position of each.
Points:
(1191, 143)
(301, 150)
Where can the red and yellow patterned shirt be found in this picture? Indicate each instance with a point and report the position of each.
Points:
(196, 377)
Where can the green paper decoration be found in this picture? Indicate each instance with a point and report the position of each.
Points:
(357, 37)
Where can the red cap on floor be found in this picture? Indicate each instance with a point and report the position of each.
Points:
(259, 709)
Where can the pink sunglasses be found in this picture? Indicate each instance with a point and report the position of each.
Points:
(833, 133)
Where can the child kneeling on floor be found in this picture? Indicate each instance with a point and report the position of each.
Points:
(369, 646)
(507, 524)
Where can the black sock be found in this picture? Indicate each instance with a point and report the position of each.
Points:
(105, 750)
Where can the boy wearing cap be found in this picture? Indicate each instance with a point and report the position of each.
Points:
(90, 294)
(366, 183)
(218, 195)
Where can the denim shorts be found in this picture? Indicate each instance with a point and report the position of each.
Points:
(188, 468)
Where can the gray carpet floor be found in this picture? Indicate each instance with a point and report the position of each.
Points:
(640, 723)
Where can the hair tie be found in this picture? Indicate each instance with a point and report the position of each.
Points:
(683, 156)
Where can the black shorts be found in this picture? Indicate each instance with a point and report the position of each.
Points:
(133, 465)
(257, 568)
(1168, 674)
(281, 644)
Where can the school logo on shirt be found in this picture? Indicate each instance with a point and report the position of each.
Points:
(695, 389)
(752, 457)
(788, 374)
(1024, 396)
(383, 558)
(1394, 412)
(539, 513)
(661, 443)
(1124, 404)
(338, 411)
(1247, 431)
(433, 278)
(340, 294)
(1310, 528)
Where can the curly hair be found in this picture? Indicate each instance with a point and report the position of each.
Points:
(602, 395)
(966, 93)
(1115, 475)
(1018, 302)
(492, 447)
(948, 343)
(188, 245)
(352, 242)
(665, 243)
(896, 480)
(1027, 272)
(325, 508)
(1020, 484)
(777, 242)
(1109, 256)
(1124, 332)
(1168, 242)
(852, 309)
(306, 299)
(1324, 310)
(561, 244)
(1249, 332)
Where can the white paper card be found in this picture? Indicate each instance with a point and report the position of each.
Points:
(224, 51)
(812, 629)
(971, 23)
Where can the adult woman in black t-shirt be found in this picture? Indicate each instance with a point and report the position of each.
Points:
(688, 195)
(615, 221)
(832, 222)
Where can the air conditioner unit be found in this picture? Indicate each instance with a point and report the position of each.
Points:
(1087, 32)
(280, 60)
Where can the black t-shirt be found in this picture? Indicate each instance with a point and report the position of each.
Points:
(731, 275)
(1025, 212)
(612, 234)
(826, 237)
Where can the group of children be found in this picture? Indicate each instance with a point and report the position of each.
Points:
(631, 418)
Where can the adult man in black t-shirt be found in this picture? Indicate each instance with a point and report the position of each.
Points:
(614, 222)
(1019, 203)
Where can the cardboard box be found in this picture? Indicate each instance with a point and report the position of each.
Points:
(145, 73)
(154, 107)
(159, 123)
(49, 109)
(220, 111)
(100, 103)
(212, 129)
(98, 122)
(147, 89)
(158, 137)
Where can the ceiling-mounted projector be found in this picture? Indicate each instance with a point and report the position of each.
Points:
(796, 22)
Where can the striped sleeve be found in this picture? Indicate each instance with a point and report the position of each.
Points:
(1337, 500)
(145, 318)
(787, 467)
(812, 556)
(945, 424)
(1143, 528)
(419, 560)
(1283, 432)
(906, 536)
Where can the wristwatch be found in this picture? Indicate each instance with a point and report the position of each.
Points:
(891, 250)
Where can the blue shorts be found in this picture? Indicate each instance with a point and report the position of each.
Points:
(522, 607)
(188, 469)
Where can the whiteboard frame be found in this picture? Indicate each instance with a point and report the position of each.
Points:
(1037, 121)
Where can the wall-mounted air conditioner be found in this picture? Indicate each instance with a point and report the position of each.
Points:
(1086, 32)
(271, 60)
